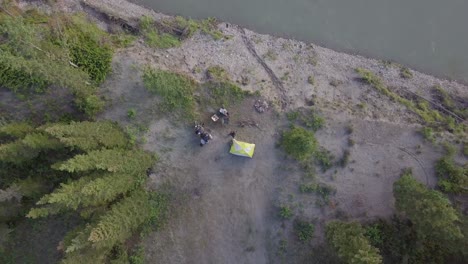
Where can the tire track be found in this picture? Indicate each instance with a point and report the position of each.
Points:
(274, 79)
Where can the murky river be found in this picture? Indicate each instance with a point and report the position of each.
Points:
(428, 35)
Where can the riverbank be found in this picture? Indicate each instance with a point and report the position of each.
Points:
(227, 207)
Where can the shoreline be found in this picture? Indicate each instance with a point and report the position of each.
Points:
(333, 46)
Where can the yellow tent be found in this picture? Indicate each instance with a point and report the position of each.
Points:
(243, 149)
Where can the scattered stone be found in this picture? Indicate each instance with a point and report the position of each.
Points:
(335, 83)
(261, 106)
(245, 80)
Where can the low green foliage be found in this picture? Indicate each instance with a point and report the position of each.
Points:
(311, 80)
(155, 38)
(448, 102)
(428, 134)
(322, 190)
(285, 212)
(225, 93)
(429, 116)
(137, 256)
(131, 113)
(175, 89)
(452, 177)
(308, 118)
(270, 55)
(304, 230)
(324, 158)
(207, 26)
(405, 73)
(350, 243)
(299, 143)
(292, 116)
(85, 41)
(217, 74)
(66, 51)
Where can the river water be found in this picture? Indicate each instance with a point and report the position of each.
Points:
(427, 35)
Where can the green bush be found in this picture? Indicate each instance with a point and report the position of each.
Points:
(428, 134)
(452, 178)
(175, 89)
(299, 143)
(131, 113)
(304, 230)
(324, 158)
(285, 212)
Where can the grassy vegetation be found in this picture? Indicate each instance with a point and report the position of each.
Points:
(324, 158)
(452, 177)
(225, 93)
(309, 118)
(311, 80)
(428, 134)
(322, 190)
(176, 90)
(40, 51)
(405, 73)
(190, 26)
(270, 55)
(154, 37)
(430, 116)
(217, 74)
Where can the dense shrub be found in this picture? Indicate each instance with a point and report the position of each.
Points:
(299, 143)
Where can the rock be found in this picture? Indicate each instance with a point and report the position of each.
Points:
(261, 106)
(245, 80)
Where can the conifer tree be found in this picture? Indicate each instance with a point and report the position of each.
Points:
(112, 160)
(89, 135)
(27, 148)
(92, 191)
(350, 243)
(16, 130)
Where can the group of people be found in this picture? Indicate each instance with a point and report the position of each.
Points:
(205, 137)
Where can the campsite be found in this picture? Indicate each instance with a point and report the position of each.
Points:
(334, 158)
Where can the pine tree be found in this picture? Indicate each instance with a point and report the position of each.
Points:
(16, 130)
(89, 135)
(112, 160)
(92, 191)
(350, 243)
(432, 214)
(123, 219)
(27, 148)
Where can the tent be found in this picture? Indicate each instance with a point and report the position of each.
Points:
(243, 149)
